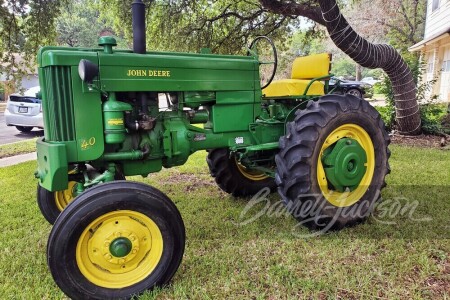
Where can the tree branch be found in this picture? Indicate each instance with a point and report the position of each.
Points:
(293, 9)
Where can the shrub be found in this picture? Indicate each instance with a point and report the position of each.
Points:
(388, 115)
(431, 112)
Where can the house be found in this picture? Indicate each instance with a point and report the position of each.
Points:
(8, 85)
(435, 47)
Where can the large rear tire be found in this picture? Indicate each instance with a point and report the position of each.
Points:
(332, 162)
(234, 178)
(115, 241)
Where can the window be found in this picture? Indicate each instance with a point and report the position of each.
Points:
(435, 5)
(430, 67)
(446, 66)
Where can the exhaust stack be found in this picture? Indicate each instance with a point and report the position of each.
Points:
(138, 13)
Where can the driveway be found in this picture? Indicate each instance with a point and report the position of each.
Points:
(9, 134)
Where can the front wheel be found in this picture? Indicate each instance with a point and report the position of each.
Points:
(233, 177)
(24, 129)
(116, 240)
(332, 162)
(355, 92)
(51, 204)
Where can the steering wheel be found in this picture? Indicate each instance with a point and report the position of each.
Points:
(253, 51)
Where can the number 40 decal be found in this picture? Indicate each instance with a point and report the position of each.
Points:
(86, 144)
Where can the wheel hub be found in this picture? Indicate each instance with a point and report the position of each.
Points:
(63, 198)
(120, 247)
(345, 164)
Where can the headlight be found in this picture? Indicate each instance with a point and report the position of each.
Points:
(87, 70)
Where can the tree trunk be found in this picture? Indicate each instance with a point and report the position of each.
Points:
(362, 52)
(358, 72)
(377, 56)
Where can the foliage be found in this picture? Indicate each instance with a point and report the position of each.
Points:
(80, 24)
(431, 112)
(77, 26)
(224, 26)
(25, 26)
(308, 41)
(343, 67)
(399, 22)
(388, 112)
(388, 115)
(432, 115)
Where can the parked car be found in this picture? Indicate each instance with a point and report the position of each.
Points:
(370, 80)
(355, 88)
(24, 110)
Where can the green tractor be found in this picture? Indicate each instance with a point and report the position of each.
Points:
(112, 113)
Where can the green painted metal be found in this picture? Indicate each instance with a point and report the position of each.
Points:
(131, 155)
(137, 167)
(322, 78)
(344, 164)
(120, 247)
(107, 42)
(183, 72)
(263, 147)
(52, 165)
(113, 119)
(117, 122)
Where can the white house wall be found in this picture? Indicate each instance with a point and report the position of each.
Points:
(437, 20)
(29, 81)
(444, 90)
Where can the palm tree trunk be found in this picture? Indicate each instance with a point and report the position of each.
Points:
(377, 56)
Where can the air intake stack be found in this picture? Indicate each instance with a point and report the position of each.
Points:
(138, 12)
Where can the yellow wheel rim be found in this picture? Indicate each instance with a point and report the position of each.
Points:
(63, 198)
(100, 265)
(250, 174)
(347, 198)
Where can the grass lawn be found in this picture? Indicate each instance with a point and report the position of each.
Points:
(267, 258)
(18, 148)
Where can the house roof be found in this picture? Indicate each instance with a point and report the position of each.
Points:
(430, 40)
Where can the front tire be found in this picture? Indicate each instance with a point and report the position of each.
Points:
(355, 92)
(24, 129)
(51, 204)
(332, 162)
(234, 178)
(116, 240)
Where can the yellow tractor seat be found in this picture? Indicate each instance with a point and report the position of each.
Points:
(305, 70)
(293, 87)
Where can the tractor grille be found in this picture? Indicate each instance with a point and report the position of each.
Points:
(58, 107)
